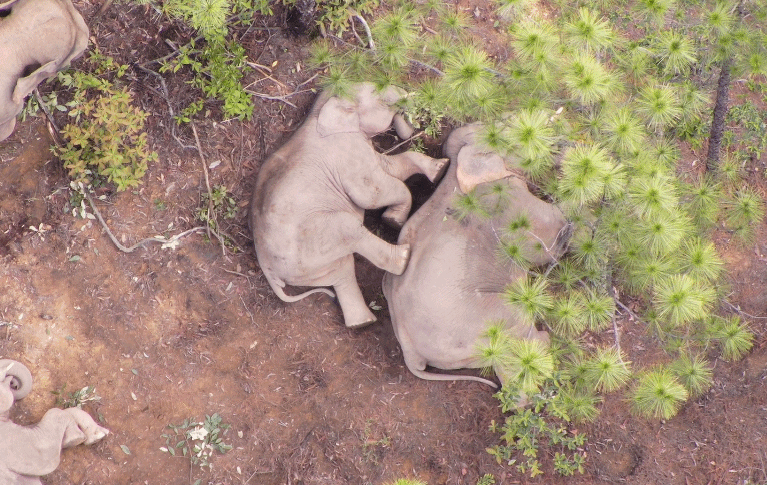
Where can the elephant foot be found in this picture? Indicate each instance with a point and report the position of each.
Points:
(436, 169)
(402, 257)
(361, 322)
(94, 435)
(395, 217)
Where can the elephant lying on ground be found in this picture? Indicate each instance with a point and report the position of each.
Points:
(307, 210)
(37, 38)
(442, 304)
(28, 452)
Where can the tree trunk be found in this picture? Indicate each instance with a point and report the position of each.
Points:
(718, 120)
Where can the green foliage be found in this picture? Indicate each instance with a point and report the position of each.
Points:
(694, 373)
(197, 441)
(594, 118)
(219, 62)
(543, 424)
(658, 394)
(734, 336)
(106, 137)
(77, 398)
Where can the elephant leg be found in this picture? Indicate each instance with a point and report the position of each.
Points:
(392, 258)
(356, 312)
(403, 165)
(86, 426)
(379, 189)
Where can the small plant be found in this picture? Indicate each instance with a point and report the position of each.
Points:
(76, 399)
(372, 446)
(216, 204)
(197, 441)
(106, 139)
(544, 423)
(658, 394)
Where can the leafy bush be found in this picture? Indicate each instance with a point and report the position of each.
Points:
(106, 138)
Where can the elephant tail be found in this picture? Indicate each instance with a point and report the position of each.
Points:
(278, 287)
(432, 376)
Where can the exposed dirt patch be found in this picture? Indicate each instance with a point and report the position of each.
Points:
(165, 335)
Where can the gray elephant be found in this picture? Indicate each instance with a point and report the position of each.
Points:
(442, 304)
(307, 210)
(37, 38)
(28, 452)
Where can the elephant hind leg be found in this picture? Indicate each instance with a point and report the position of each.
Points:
(356, 312)
(392, 258)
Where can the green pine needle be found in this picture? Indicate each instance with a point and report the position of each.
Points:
(468, 76)
(584, 170)
(676, 52)
(720, 19)
(530, 295)
(567, 315)
(566, 275)
(653, 196)
(493, 354)
(663, 233)
(580, 406)
(659, 105)
(598, 311)
(531, 132)
(655, 10)
(694, 373)
(625, 132)
(745, 210)
(700, 260)
(680, 299)
(646, 270)
(703, 201)
(587, 79)
(530, 363)
(589, 32)
(470, 205)
(735, 338)
(658, 395)
(607, 371)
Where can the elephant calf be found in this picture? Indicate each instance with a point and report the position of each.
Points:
(442, 304)
(28, 452)
(307, 209)
(37, 38)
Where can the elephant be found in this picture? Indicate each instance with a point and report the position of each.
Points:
(37, 39)
(442, 304)
(307, 209)
(28, 452)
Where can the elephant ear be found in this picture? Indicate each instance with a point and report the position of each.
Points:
(338, 115)
(477, 166)
(26, 85)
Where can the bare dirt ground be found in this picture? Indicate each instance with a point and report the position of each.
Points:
(165, 335)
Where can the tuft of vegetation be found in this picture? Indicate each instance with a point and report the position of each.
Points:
(197, 441)
(106, 140)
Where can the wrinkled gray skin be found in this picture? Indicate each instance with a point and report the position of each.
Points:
(37, 38)
(28, 452)
(442, 304)
(308, 206)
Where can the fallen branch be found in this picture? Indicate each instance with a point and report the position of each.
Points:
(171, 242)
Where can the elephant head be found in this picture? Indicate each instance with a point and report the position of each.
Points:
(478, 167)
(37, 38)
(450, 292)
(368, 110)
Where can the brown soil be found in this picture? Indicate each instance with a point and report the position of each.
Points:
(165, 335)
